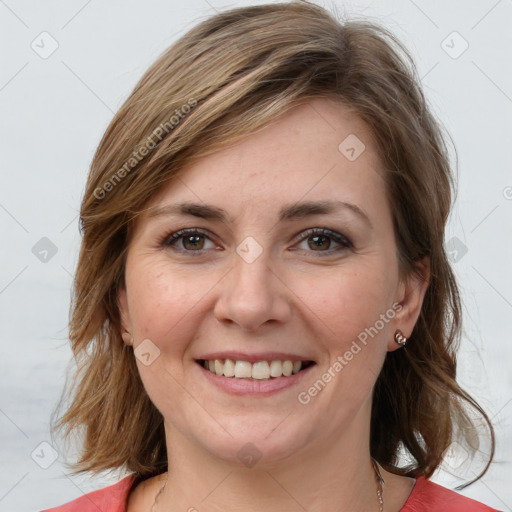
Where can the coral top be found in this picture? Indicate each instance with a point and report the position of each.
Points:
(426, 496)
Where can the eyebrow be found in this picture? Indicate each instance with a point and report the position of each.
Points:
(294, 211)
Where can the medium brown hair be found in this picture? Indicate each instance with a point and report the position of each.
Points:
(226, 78)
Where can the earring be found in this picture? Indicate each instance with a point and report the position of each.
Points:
(127, 338)
(400, 338)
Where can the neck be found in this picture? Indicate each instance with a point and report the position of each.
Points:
(336, 474)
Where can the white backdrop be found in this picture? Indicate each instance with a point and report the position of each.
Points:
(66, 67)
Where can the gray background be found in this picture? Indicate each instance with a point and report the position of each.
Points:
(54, 110)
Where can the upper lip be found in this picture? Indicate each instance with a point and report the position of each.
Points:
(235, 355)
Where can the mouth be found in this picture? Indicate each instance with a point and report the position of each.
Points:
(256, 371)
(260, 378)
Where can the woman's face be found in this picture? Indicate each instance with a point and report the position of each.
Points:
(268, 272)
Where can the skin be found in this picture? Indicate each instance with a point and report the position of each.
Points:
(295, 297)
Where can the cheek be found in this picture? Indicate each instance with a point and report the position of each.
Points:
(162, 302)
(349, 301)
(354, 335)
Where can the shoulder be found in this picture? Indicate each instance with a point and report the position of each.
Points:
(428, 496)
(112, 498)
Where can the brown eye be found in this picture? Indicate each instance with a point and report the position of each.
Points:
(193, 241)
(320, 240)
(189, 240)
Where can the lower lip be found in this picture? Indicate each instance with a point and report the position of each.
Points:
(254, 387)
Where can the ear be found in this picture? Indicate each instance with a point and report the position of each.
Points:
(126, 326)
(411, 292)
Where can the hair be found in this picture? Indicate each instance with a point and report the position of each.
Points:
(225, 79)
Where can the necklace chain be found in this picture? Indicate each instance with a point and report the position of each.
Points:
(378, 476)
(159, 492)
(380, 481)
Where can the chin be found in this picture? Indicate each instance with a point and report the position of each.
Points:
(260, 445)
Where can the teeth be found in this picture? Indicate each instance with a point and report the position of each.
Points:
(261, 370)
(242, 369)
(276, 368)
(287, 368)
(229, 368)
(219, 367)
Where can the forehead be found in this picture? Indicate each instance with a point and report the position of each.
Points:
(319, 150)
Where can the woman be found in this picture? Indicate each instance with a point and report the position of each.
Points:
(264, 314)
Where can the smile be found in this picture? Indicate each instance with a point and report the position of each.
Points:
(263, 381)
(259, 370)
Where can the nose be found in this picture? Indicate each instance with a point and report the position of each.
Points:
(253, 295)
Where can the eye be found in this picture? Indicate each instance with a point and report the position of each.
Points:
(194, 240)
(190, 240)
(318, 239)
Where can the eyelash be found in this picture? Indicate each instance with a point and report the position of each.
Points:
(345, 243)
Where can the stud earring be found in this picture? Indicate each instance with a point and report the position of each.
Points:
(127, 338)
(400, 338)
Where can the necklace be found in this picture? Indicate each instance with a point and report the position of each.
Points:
(159, 492)
(378, 477)
(380, 481)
